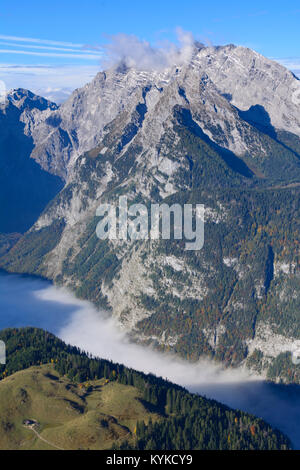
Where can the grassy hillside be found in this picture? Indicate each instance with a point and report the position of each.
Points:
(54, 396)
(91, 415)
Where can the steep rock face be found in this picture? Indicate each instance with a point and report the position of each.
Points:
(248, 79)
(78, 124)
(25, 188)
(265, 93)
(177, 137)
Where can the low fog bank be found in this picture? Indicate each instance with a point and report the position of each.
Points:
(93, 332)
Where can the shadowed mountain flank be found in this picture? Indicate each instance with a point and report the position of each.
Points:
(25, 188)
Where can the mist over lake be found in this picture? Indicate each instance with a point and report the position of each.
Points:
(26, 301)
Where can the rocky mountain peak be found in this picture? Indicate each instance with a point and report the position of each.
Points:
(214, 75)
(26, 100)
(249, 79)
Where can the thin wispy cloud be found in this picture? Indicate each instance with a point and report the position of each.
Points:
(55, 82)
(40, 47)
(84, 49)
(50, 42)
(52, 54)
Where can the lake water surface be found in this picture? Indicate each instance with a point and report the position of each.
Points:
(26, 301)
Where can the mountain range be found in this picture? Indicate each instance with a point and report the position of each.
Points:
(222, 130)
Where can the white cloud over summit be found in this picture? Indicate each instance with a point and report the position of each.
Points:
(135, 52)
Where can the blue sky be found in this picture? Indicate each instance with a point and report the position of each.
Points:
(57, 45)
